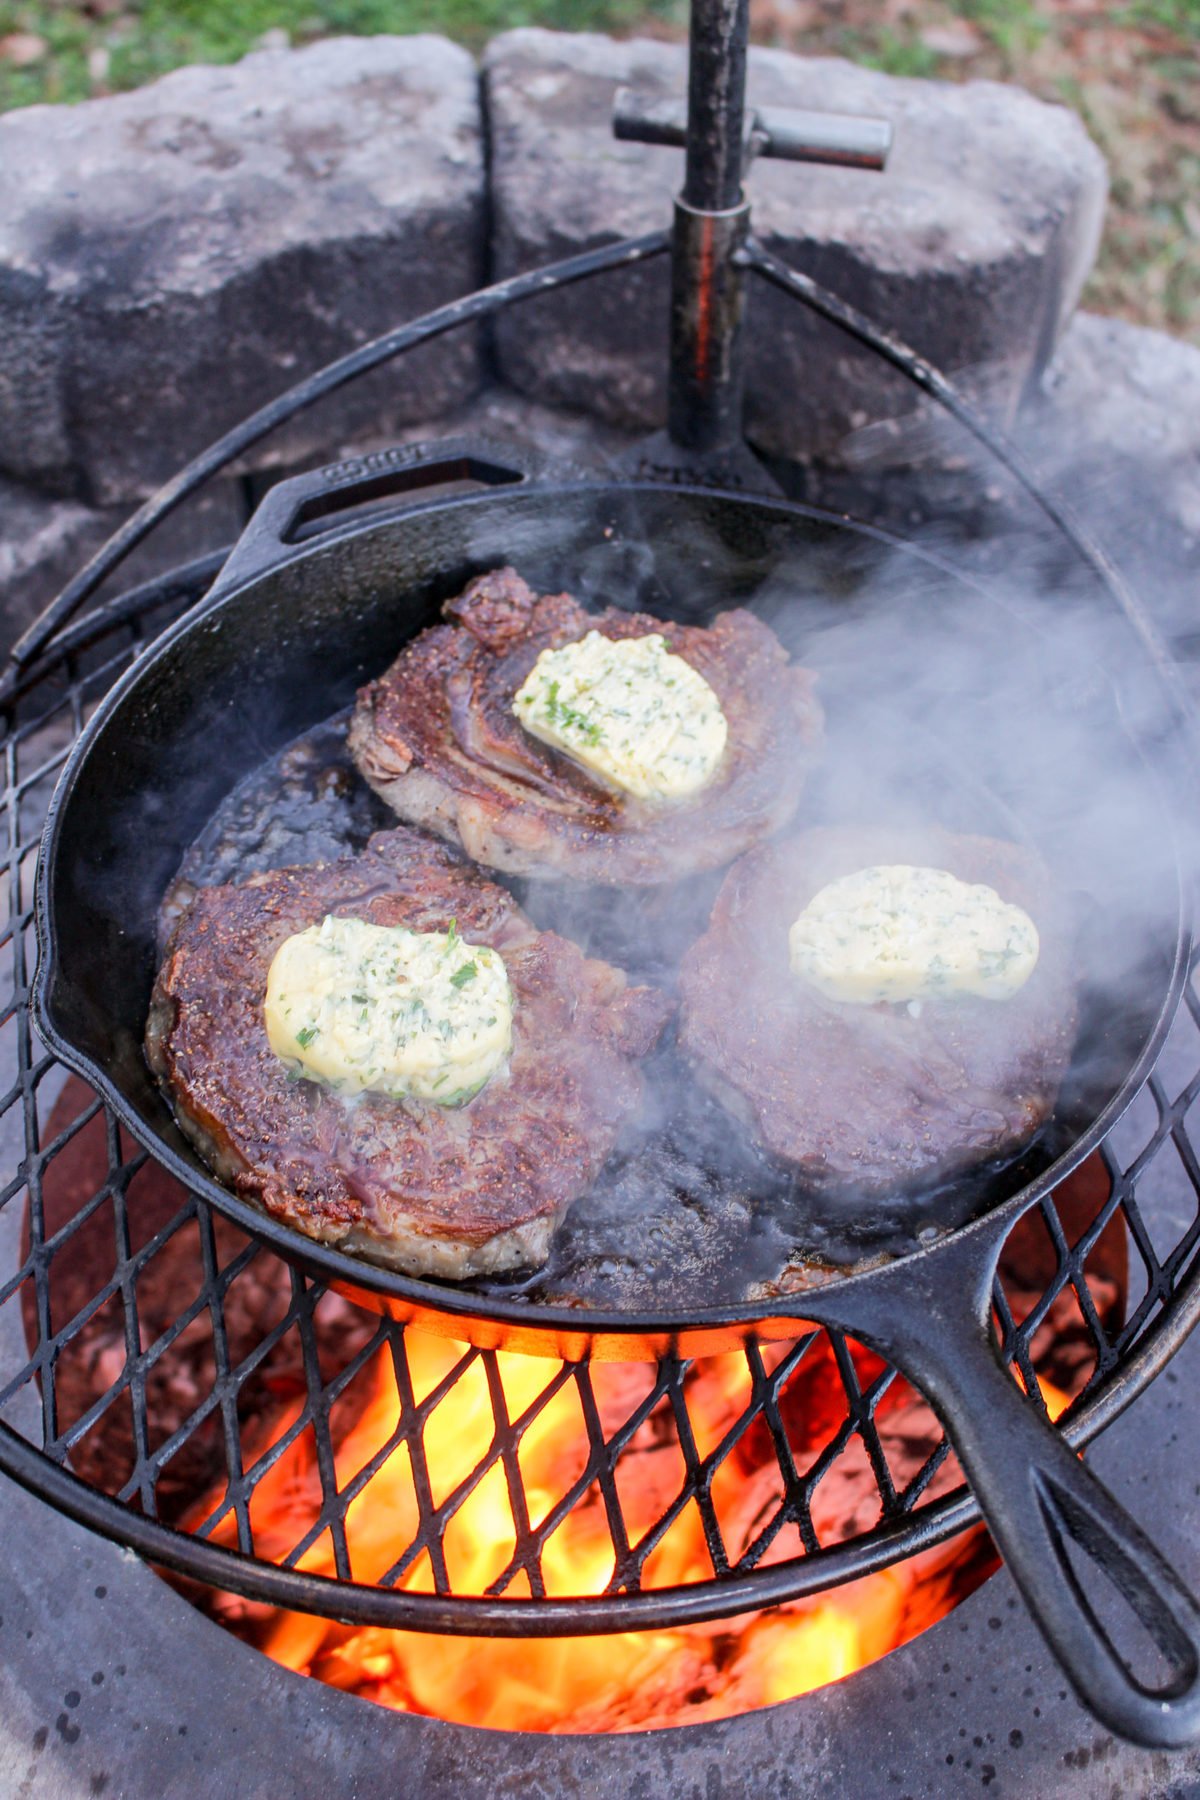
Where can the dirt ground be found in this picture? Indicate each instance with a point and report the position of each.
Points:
(1132, 72)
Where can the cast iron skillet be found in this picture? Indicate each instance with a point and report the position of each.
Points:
(316, 598)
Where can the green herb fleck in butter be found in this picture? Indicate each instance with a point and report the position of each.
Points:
(419, 1015)
(902, 933)
(628, 710)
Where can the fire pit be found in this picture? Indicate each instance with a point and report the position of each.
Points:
(234, 1420)
(385, 1388)
(116, 1256)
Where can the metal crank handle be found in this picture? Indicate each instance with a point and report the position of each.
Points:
(847, 140)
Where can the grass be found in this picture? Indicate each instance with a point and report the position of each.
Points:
(108, 46)
(1132, 70)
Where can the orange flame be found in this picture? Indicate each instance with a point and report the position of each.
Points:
(638, 1679)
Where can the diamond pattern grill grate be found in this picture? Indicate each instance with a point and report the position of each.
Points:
(174, 1384)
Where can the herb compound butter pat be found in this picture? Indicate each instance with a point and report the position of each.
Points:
(901, 933)
(419, 1015)
(629, 710)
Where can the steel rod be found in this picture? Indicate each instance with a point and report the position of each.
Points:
(846, 140)
(704, 397)
(720, 32)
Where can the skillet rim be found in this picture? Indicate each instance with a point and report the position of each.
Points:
(416, 1296)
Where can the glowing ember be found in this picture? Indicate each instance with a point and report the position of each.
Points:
(648, 1678)
(426, 1489)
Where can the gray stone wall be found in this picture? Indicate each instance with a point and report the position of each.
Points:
(44, 542)
(1116, 427)
(973, 246)
(172, 258)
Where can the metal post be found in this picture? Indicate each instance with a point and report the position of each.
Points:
(708, 294)
(708, 273)
(711, 221)
(719, 34)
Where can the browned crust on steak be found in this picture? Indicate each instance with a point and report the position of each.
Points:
(867, 1098)
(436, 737)
(421, 1187)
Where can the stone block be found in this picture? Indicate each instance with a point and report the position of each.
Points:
(171, 259)
(44, 542)
(973, 246)
(1115, 429)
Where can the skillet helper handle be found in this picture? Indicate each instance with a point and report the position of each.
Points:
(298, 511)
(1037, 1499)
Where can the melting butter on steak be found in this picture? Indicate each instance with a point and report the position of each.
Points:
(447, 1191)
(866, 1097)
(416, 1015)
(908, 934)
(438, 739)
(641, 718)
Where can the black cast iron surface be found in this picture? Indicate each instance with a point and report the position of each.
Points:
(293, 628)
(1152, 1145)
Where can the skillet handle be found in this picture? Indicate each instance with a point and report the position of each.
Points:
(1038, 1501)
(297, 511)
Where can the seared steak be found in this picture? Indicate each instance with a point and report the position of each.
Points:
(867, 1098)
(429, 1189)
(436, 737)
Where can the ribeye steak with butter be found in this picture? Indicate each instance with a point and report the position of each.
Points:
(864, 1098)
(425, 1188)
(435, 736)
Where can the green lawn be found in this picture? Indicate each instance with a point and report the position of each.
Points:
(1131, 69)
(110, 45)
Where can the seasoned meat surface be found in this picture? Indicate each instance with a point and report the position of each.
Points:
(866, 1098)
(436, 737)
(429, 1189)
